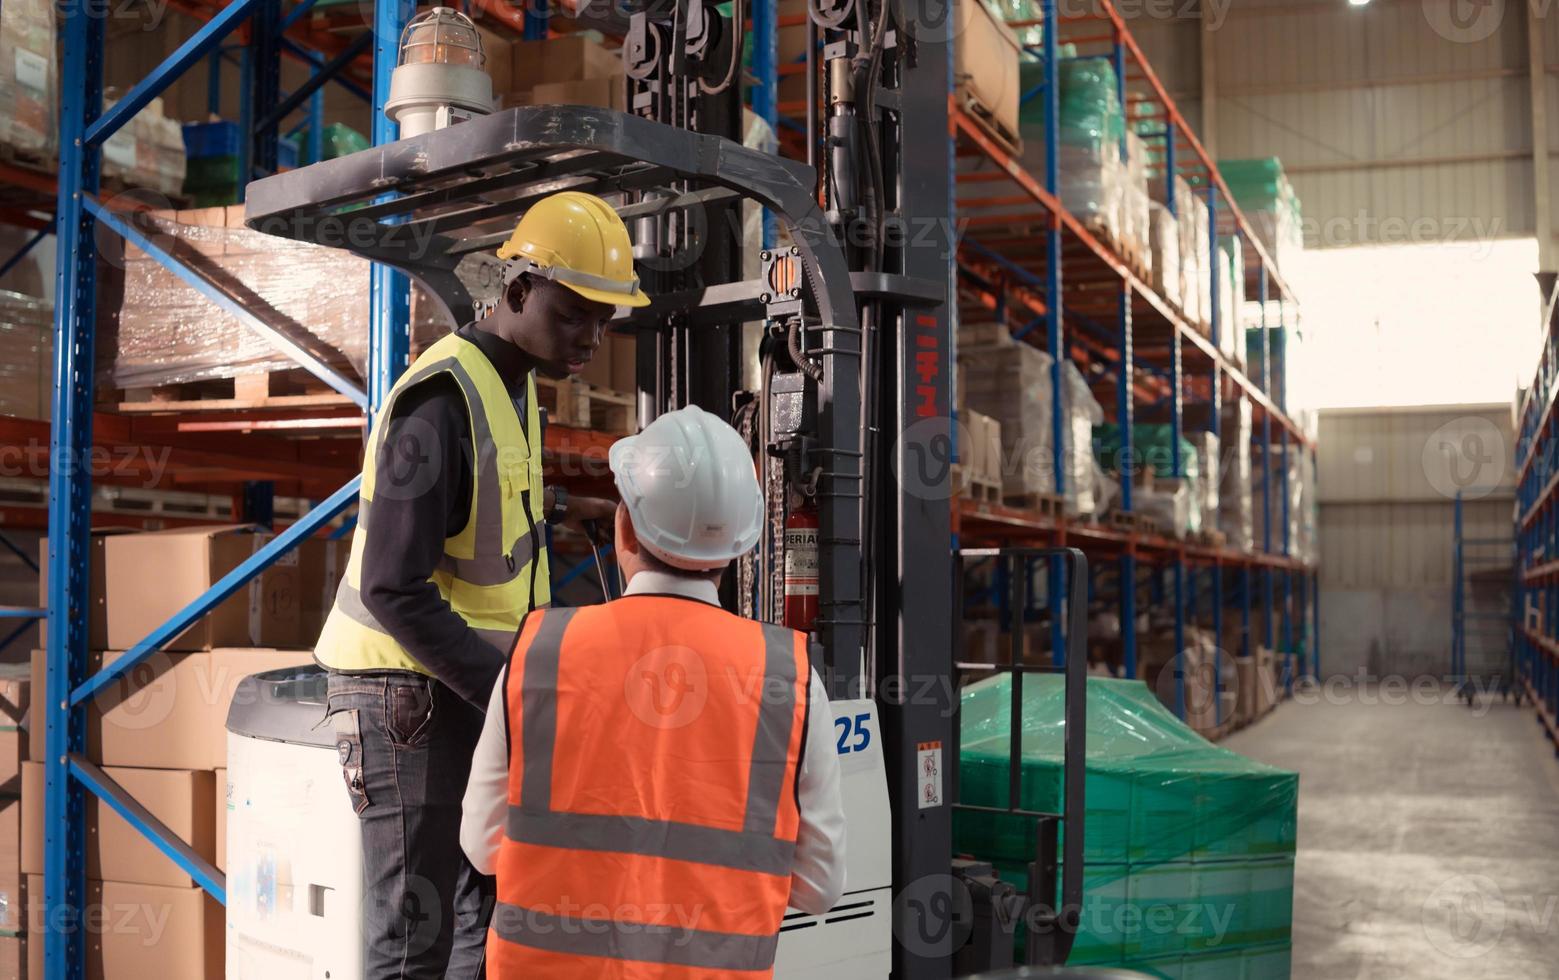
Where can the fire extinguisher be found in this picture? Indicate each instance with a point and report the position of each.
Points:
(801, 592)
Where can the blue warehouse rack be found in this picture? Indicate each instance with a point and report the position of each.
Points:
(1070, 282)
(84, 126)
(1536, 604)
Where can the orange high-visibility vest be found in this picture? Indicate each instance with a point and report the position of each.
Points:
(654, 745)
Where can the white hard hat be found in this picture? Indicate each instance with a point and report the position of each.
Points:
(690, 489)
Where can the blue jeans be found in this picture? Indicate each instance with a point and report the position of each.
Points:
(406, 743)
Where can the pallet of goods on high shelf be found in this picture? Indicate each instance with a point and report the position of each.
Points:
(162, 346)
(986, 78)
(146, 153)
(1010, 382)
(29, 84)
(1173, 506)
(1231, 299)
(980, 461)
(1270, 205)
(1173, 821)
(1229, 511)
(26, 356)
(1189, 216)
(1102, 170)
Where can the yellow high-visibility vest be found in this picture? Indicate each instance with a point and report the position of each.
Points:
(495, 570)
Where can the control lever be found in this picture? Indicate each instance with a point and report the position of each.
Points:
(592, 529)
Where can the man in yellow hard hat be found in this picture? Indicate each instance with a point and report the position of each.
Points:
(448, 558)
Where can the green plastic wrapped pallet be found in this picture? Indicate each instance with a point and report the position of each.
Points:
(1091, 113)
(1150, 446)
(1188, 847)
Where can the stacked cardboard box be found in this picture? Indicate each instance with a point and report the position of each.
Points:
(985, 69)
(1010, 382)
(574, 70)
(15, 698)
(160, 731)
(980, 452)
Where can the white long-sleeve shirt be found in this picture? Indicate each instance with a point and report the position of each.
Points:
(816, 880)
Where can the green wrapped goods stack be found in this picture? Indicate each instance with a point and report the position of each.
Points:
(1270, 204)
(1017, 11)
(1188, 848)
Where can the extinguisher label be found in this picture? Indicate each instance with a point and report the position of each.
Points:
(928, 773)
(801, 561)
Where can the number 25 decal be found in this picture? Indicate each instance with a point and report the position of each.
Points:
(860, 727)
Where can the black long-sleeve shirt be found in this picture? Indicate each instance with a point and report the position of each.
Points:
(422, 495)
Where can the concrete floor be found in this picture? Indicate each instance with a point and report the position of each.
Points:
(1428, 838)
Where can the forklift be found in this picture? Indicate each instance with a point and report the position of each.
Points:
(850, 319)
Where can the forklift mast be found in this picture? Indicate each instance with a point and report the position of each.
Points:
(850, 316)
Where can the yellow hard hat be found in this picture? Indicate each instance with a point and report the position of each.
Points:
(577, 239)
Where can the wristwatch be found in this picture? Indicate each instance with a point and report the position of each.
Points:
(559, 508)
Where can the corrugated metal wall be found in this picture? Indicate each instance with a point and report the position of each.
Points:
(1388, 480)
(1400, 121)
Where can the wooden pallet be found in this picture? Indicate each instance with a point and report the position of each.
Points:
(978, 488)
(1211, 539)
(1045, 504)
(580, 405)
(289, 388)
(1134, 523)
(1011, 142)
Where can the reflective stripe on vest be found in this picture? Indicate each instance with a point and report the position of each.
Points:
(732, 870)
(494, 570)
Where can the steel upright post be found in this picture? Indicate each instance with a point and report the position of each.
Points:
(389, 316)
(1126, 467)
(70, 495)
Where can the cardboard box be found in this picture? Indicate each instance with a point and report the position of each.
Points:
(615, 365)
(1266, 680)
(13, 958)
(170, 712)
(153, 575)
(223, 801)
(1246, 666)
(183, 800)
(608, 93)
(559, 59)
(321, 563)
(986, 63)
(13, 905)
(498, 50)
(140, 932)
(11, 833)
(15, 693)
(13, 750)
(97, 601)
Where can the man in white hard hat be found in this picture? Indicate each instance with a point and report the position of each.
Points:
(656, 782)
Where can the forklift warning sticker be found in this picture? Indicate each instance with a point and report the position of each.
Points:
(929, 770)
